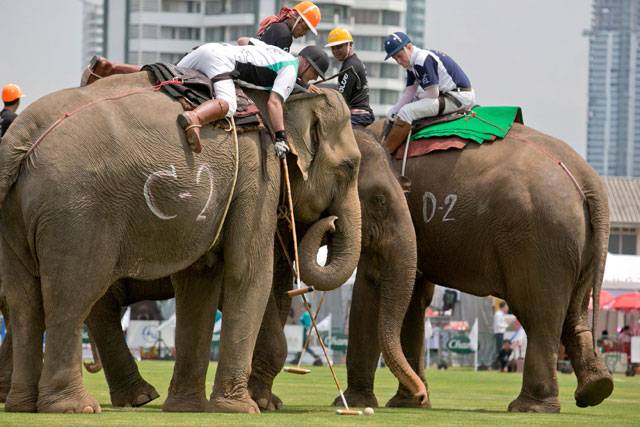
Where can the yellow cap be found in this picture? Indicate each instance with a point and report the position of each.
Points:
(338, 36)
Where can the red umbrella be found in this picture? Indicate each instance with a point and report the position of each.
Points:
(605, 300)
(630, 301)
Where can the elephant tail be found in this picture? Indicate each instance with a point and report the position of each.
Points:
(598, 206)
(15, 148)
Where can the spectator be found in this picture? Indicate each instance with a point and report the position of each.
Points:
(605, 342)
(505, 357)
(305, 321)
(624, 338)
(500, 324)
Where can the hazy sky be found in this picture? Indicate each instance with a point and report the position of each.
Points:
(516, 52)
(41, 45)
(521, 52)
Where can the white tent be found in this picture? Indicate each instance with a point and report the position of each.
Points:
(622, 273)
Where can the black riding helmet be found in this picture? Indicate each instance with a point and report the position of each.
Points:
(317, 58)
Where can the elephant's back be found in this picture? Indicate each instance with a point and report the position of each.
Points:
(487, 201)
(121, 159)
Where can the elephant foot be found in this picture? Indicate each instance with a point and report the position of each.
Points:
(527, 404)
(593, 392)
(135, 396)
(406, 400)
(22, 399)
(77, 401)
(5, 385)
(266, 400)
(233, 406)
(360, 399)
(185, 404)
(4, 391)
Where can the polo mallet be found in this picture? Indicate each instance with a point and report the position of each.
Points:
(297, 369)
(302, 292)
(351, 68)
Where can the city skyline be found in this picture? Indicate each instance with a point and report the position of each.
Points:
(504, 70)
(613, 137)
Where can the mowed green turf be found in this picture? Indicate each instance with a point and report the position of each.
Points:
(459, 397)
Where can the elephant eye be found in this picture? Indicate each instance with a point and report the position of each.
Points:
(349, 168)
(315, 138)
(379, 200)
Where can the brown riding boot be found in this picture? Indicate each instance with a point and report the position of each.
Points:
(397, 136)
(100, 67)
(192, 121)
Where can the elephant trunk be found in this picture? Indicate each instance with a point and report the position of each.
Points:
(344, 245)
(395, 295)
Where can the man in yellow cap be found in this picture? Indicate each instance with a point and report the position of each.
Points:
(11, 95)
(352, 79)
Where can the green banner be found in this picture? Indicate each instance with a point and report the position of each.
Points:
(460, 344)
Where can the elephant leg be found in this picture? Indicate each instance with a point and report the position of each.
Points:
(270, 353)
(248, 275)
(594, 380)
(363, 351)
(197, 292)
(269, 358)
(542, 322)
(126, 385)
(413, 343)
(24, 299)
(6, 354)
(69, 291)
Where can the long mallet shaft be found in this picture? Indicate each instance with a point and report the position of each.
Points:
(304, 298)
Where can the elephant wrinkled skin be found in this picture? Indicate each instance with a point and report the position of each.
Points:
(387, 270)
(115, 192)
(505, 219)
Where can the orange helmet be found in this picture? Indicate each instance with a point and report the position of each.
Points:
(11, 92)
(338, 36)
(310, 13)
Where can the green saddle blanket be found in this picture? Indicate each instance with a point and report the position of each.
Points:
(480, 124)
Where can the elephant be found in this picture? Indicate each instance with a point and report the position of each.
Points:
(109, 190)
(387, 233)
(126, 386)
(386, 267)
(525, 219)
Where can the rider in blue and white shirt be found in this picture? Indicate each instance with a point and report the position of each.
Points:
(436, 85)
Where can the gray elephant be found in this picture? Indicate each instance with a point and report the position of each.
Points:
(113, 191)
(525, 219)
(387, 239)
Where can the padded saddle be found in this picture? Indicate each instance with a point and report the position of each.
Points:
(197, 88)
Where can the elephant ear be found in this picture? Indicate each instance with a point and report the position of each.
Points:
(302, 123)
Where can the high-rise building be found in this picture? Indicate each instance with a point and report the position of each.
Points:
(92, 29)
(613, 130)
(369, 23)
(146, 31)
(416, 21)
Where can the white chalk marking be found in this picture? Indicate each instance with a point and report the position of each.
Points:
(167, 173)
(201, 216)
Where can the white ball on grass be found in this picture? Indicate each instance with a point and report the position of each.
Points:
(368, 411)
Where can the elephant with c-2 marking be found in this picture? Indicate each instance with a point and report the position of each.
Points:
(114, 192)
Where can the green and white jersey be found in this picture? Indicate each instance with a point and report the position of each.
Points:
(259, 65)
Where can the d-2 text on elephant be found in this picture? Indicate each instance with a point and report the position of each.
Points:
(115, 192)
(506, 219)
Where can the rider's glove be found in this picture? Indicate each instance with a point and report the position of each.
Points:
(280, 144)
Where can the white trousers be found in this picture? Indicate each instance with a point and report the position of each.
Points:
(428, 107)
(212, 63)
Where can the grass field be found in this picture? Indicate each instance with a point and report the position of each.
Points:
(459, 397)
